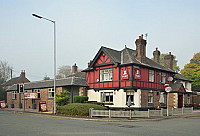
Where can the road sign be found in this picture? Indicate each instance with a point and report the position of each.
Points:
(168, 89)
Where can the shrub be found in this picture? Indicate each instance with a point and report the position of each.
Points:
(62, 98)
(78, 109)
(80, 99)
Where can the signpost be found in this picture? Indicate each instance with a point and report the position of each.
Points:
(167, 90)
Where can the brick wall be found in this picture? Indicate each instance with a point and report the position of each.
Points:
(144, 99)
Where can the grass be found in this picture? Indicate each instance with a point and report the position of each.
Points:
(78, 109)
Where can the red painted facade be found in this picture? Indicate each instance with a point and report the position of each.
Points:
(138, 76)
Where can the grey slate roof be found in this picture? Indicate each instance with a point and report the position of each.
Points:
(176, 86)
(181, 77)
(129, 56)
(16, 80)
(76, 79)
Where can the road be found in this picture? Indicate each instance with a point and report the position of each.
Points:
(40, 125)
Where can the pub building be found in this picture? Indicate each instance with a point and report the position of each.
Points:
(113, 76)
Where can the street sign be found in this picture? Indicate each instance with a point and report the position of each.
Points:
(168, 89)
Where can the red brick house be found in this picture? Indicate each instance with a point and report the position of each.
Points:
(74, 83)
(114, 76)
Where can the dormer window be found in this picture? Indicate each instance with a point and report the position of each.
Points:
(106, 75)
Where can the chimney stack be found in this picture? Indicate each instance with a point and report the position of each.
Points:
(74, 68)
(169, 61)
(156, 55)
(141, 49)
(22, 73)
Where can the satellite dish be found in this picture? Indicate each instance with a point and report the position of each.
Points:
(170, 79)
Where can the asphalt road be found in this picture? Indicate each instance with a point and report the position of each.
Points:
(40, 125)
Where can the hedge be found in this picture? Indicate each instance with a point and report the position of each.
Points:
(78, 109)
(80, 99)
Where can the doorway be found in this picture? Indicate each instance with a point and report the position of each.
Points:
(180, 101)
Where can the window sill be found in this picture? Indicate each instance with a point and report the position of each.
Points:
(50, 98)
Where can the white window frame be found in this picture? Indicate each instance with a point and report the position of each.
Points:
(14, 95)
(51, 93)
(151, 75)
(38, 93)
(106, 75)
(130, 93)
(163, 77)
(105, 95)
(150, 97)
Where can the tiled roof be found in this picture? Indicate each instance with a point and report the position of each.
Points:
(129, 56)
(76, 79)
(16, 80)
(181, 77)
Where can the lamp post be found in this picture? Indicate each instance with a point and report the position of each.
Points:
(54, 22)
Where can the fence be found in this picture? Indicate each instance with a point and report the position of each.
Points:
(139, 114)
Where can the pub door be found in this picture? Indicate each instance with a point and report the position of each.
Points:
(180, 101)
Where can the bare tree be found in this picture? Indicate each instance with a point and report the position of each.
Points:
(63, 71)
(5, 71)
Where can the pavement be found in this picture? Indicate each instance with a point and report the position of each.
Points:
(194, 114)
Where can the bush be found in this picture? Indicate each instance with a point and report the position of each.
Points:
(78, 109)
(62, 98)
(80, 99)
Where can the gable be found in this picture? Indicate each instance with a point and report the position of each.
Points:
(103, 59)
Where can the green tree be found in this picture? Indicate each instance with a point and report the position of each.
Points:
(192, 71)
(62, 98)
(46, 78)
(175, 66)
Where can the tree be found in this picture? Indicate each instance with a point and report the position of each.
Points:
(63, 71)
(4, 76)
(192, 71)
(175, 66)
(46, 78)
(62, 98)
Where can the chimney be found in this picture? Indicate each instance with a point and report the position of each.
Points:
(156, 55)
(22, 73)
(169, 61)
(74, 68)
(141, 49)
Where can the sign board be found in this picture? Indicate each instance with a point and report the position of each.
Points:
(137, 74)
(2, 104)
(125, 75)
(30, 95)
(168, 89)
(42, 106)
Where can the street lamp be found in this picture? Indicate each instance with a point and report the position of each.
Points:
(54, 22)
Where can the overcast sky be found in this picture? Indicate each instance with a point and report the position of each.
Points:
(83, 26)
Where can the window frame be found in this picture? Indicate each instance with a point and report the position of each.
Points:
(52, 92)
(106, 72)
(163, 76)
(38, 93)
(104, 97)
(14, 95)
(130, 93)
(150, 97)
(151, 75)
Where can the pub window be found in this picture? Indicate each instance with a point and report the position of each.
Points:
(14, 95)
(51, 93)
(188, 99)
(150, 97)
(106, 75)
(163, 79)
(131, 95)
(38, 93)
(151, 75)
(107, 97)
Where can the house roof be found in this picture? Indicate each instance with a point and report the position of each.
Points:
(76, 79)
(16, 80)
(126, 56)
(177, 87)
(181, 77)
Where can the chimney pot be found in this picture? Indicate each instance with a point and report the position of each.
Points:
(74, 68)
